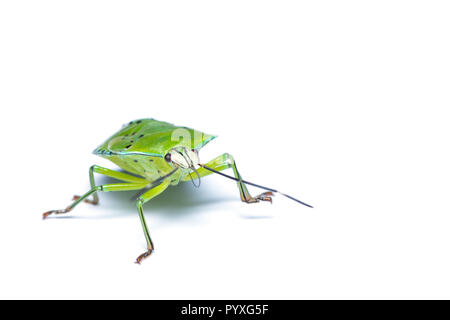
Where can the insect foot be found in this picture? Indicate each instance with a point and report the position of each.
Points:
(266, 196)
(94, 202)
(46, 214)
(143, 256)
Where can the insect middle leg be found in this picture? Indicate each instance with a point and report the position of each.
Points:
(147, 196)
(109, 173)
(94, 190)
(226, 161)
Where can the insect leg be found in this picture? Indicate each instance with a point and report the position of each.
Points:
(109, 173)
(150, 194)
(105, 187)
(226, 161)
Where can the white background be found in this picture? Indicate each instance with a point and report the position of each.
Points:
(343, 104)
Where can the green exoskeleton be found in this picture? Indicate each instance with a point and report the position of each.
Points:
(158, 154)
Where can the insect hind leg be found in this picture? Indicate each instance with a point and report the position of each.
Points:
(95, 189)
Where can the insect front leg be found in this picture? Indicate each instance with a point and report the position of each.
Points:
(109, 173)
(105, 187)
(226, 161)
(150, 194)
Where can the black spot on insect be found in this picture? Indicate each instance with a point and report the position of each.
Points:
(159, 171)
(139, 121)
(173, 180)
(131, 122)
(128, 146)
(135, 160)
(140, 136)
(131, 141)
(151, 160)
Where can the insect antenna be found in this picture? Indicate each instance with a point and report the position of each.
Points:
(198, 177)
(255, 185)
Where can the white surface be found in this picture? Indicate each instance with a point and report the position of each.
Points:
(342, 104)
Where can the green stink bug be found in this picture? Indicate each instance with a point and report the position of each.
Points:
(159, 154)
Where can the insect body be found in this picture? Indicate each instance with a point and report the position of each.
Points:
(158, 154)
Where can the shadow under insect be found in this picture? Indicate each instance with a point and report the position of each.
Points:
(180, 200)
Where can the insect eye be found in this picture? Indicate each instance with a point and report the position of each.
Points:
(167, 157)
